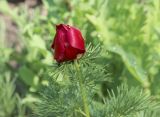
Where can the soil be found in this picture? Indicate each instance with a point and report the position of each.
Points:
(30, 3)
(11, 32)
(15, 1)
(11, 35)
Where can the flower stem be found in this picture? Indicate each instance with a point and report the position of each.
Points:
(82, 89)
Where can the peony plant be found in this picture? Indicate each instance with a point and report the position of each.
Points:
(74, 87)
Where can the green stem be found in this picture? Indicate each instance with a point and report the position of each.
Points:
(82, 89)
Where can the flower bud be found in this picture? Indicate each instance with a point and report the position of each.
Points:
(68, 43)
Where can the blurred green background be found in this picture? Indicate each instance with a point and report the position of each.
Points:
(128, 31)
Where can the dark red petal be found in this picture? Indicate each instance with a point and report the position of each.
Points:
(53, 43)
(71, 53)
(75, 39)
(59, 47)
(62, 27)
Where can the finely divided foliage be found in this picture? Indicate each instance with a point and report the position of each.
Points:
(7, 97)
(63, 96)
(128, 30)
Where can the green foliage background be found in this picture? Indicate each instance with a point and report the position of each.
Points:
(128, 31)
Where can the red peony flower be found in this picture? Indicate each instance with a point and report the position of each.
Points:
(68, 43)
